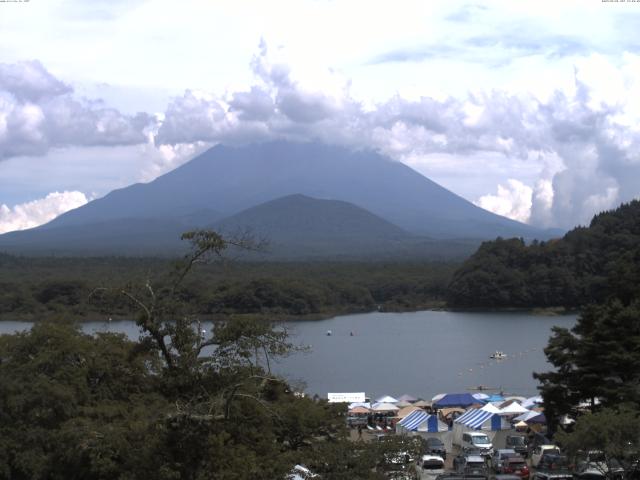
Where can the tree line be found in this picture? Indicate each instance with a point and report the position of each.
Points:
(588, 265)
(33, 288)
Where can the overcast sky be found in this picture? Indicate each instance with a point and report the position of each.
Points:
(529, 109)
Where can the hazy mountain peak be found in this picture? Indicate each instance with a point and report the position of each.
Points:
(229, 180)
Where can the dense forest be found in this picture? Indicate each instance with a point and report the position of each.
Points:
(33, 288)
(589, 264)
(167, 406)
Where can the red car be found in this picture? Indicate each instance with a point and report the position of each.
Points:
(515, 466)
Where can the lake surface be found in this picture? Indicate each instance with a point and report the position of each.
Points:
(420, 353)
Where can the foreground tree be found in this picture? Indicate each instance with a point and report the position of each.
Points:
(180, 403)
(612, 434)
(597, 362)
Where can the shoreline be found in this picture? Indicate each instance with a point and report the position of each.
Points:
(313, 317)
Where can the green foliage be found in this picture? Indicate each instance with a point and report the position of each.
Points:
(598, 359)
(587, 265)
(614, 432)
(180, 403)
(37, 288)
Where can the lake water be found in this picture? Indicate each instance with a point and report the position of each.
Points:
(421, 353)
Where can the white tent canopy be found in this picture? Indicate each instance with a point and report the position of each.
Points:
(513, 409)
(387, 399)
(490, 408)
(384, 407)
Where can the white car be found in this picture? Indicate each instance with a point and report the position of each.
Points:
(537, 453)
(300, 472)
(429, 467)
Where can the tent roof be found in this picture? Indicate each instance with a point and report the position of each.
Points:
(525, 417)
(423, 422)
(540, 418)
(480, 396)
(532, 401)
(403, 404)
(490, 408)
(384, 407)
(422, 403)
(414, 419)
(407, 410)
(438, 397)
(474, 418)
(407, 398)
(495, 397)
(387, 399)
(513, 409)
(359, 404)
(517, 398)
(445, 412)
(455, 400)
(358, 410)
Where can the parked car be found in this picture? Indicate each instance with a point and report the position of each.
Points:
(500, 456)
(517, 443)
(537, 452)
(536, 439)
(477, 441)
(504, 476)
(434, 446)
(470, 465)
(428, 467)
(300, 472)
(595, 465)
(553, 467)
(397, 465)
(516, 465)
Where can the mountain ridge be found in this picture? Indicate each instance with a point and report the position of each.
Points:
(225, 181)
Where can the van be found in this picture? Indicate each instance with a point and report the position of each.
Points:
(477, 441)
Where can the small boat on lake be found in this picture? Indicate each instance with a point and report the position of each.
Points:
(329, 333)
(498, 355)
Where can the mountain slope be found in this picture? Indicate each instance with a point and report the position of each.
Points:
(298, 226)
(587, 265)
(302, 217)
(384, 204)
(231, 179)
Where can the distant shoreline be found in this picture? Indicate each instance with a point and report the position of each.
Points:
(282, 318)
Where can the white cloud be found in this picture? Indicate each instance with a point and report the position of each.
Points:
(584, 151)
(38, 212)
(493, 89)
(512, 201)
(39, 112)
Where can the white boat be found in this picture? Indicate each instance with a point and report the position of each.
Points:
(498, 355)
(329, 333)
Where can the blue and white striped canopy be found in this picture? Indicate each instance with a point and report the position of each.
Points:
(414, 420)
(474, 418)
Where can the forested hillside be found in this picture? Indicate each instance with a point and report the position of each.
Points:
(589, 264)
(37, 288)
